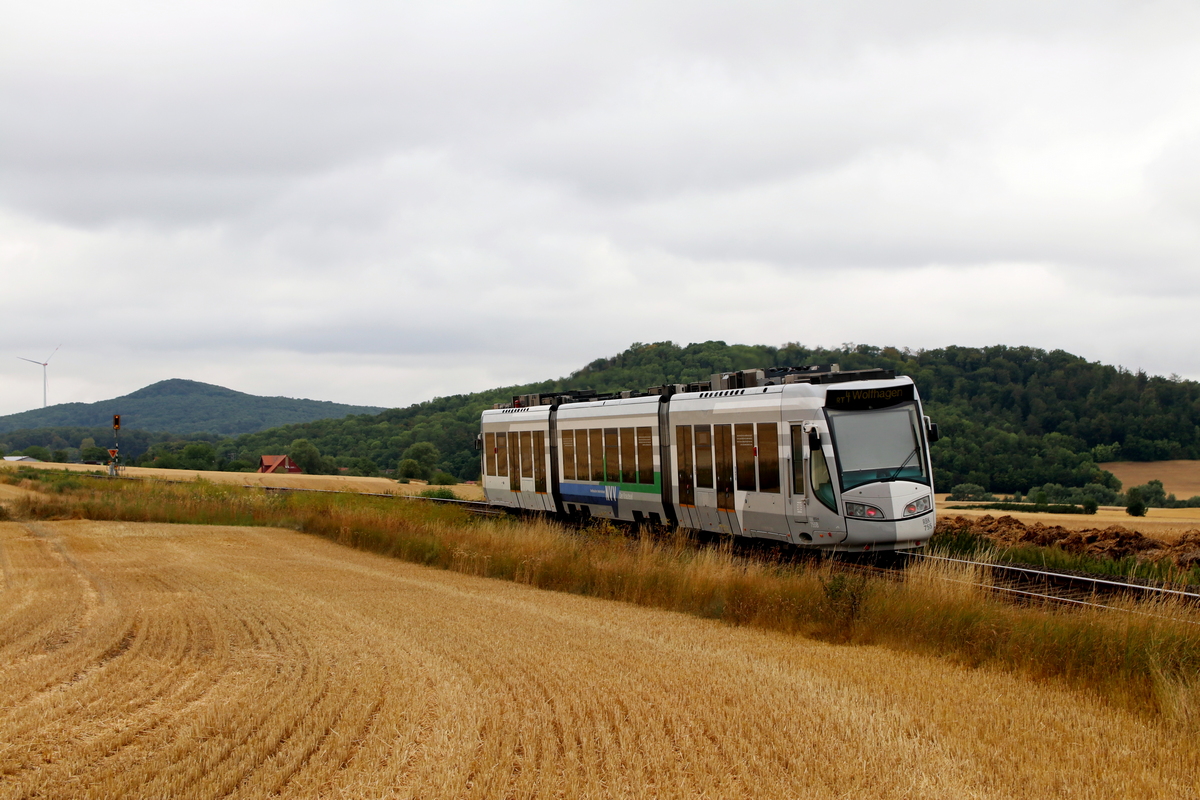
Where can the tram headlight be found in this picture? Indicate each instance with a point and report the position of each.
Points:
(918, 506)
(863, 511)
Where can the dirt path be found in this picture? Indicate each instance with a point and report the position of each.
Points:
(145, 660)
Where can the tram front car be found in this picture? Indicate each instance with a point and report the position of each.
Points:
(873, 438)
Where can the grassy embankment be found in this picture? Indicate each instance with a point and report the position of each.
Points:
(962, 541)
(1142, 661)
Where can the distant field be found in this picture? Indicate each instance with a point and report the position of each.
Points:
(337, 483)
(1164, 523)
(153, 660)
(1181, 478)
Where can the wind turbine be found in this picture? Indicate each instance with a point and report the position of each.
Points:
(43, 365)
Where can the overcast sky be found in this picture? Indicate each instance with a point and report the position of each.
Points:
(380, 203)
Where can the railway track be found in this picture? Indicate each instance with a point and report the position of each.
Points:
(1029, 584)
(1015, 583)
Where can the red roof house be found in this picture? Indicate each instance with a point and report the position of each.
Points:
(277, 464)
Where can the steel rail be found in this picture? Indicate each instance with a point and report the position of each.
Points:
(1026, 575)
(1098, 584)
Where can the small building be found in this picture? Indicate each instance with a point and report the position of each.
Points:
(22, 458)
(277, 464)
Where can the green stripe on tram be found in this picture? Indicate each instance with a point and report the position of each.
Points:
(644, 488)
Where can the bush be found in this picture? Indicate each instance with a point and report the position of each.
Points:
(40, 453)
(442, 479)
(439, 494)
(363, 468)
(970, 491)
(1090, 505)
(411, 468)
(1135, 506)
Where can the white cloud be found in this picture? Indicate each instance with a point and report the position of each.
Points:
(377, 204)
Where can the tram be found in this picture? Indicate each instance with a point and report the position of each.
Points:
(814, 456)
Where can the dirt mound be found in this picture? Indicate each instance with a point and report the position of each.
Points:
(1113, 542)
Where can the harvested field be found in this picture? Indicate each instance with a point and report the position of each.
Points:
(1180, 478)
(161, 660)
(1167, 524)
(1112, 542)
(335, 483)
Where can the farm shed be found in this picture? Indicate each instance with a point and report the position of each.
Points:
(277, 464)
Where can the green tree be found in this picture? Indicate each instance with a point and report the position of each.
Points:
(38, 452)
(1153, 494)
(306, 456)
(424, 453)
(364, 467)
(970, 491)
(1135, 506)
(93, 453)
(198, 455)
(411, 468)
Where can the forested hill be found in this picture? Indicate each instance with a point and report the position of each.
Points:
(1011, 417)
(183, 407)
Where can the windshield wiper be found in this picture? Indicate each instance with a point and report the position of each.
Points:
(892, 477)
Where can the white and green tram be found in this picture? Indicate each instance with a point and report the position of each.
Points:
(810, 455)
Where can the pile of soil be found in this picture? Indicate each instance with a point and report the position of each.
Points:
(1113, 542)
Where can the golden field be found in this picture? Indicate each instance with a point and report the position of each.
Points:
(333, 483)
(1180, 478)
(154, 660)
(1167, 524)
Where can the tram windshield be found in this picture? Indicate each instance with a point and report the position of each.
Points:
(878, 445)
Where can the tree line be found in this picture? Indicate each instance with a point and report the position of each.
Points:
(1012, 418)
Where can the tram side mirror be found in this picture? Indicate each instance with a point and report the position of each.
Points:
(479, 441)
(934, 435)
(814, 440)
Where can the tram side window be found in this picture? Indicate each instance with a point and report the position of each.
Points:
(489, 453)
(539, 461)
(683, 445)
(628, 456)
(612, 455)
(821, 482)
(645, 456)
(501, 455)
(526, 455)
(743, 447)
(568, 455)
(704, 464)
(583, 467)
(514, 458)
(797, 460)
(596, 441)
(768, 457)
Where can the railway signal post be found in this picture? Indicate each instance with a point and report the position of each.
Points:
(114, 453)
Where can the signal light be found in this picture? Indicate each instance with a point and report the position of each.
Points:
(116, 422)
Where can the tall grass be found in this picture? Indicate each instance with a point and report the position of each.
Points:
(962, 541)
(1143, 660)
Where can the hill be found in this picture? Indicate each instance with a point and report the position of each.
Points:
(183, 407)
(1012, 418)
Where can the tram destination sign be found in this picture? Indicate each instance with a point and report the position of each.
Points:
(866, 399)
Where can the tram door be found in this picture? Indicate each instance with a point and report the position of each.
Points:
(798, 500)
(514, 461)
(723, 445)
